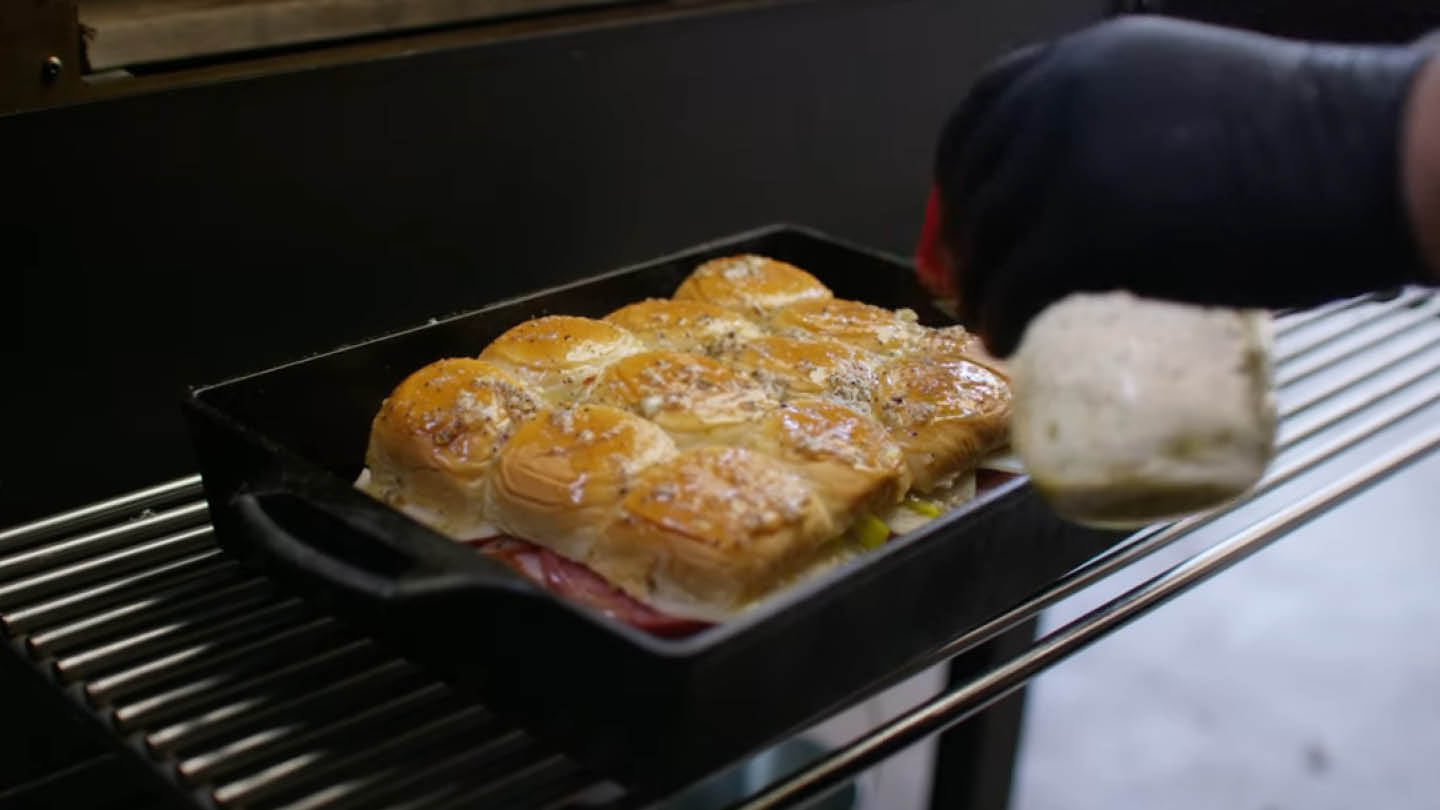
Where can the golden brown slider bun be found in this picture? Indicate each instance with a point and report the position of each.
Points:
(696, 399)
(560, 355)
(855, 466)
(945, 415)
(790, 367)
(956, 343)
(713, 529)
(562, 473)
(435, 438)
(754, 285)
(872, 328)
(685, 326)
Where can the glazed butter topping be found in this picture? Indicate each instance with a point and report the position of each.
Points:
(683, 393)
(693, 454)
(465, 409)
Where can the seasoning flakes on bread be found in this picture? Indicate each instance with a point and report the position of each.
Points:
(694, 455)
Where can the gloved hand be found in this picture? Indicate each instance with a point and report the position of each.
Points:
(1176, 160)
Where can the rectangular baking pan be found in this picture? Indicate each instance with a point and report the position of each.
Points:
(279, 451)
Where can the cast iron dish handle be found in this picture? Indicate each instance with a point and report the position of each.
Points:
(369, 567)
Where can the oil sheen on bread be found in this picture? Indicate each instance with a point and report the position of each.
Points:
(698, 453)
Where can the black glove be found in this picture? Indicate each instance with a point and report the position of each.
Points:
(1176, 160)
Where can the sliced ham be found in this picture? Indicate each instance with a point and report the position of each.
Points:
(990, 479)
(574, 581)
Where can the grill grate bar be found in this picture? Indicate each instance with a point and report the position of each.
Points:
(1292, 321)
(331, 699)
(1292, 434)
(114, 654)
(206, 566)
(403, 747)
(489, 757)
(553, 772)
(1348, 320)
(230, 759)
(199, 696)
(113, 509)
(1408, 351)
(48, 583)
(197, 600)
(61, 551)
(1353, 344)
(542, 785)
(215, 654)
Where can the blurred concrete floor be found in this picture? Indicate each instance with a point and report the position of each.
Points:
(1308, 676)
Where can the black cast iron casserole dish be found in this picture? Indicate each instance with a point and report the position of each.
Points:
(279, 451)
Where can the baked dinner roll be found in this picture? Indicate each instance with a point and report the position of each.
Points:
(434, 441)
(945, 415)
(697, 400)
(855, 466)
(1131, 410)
(754, 285)
(560, 355)
(685, 326)
(562, 473)
(872, 328)
(791, 367)
(710, 531)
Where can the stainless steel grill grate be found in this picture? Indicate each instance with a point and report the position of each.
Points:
(241, 696)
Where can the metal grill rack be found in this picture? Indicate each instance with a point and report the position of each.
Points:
(240, 696)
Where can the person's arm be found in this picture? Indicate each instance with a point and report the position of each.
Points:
(1188, 162)
(1422, 164)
